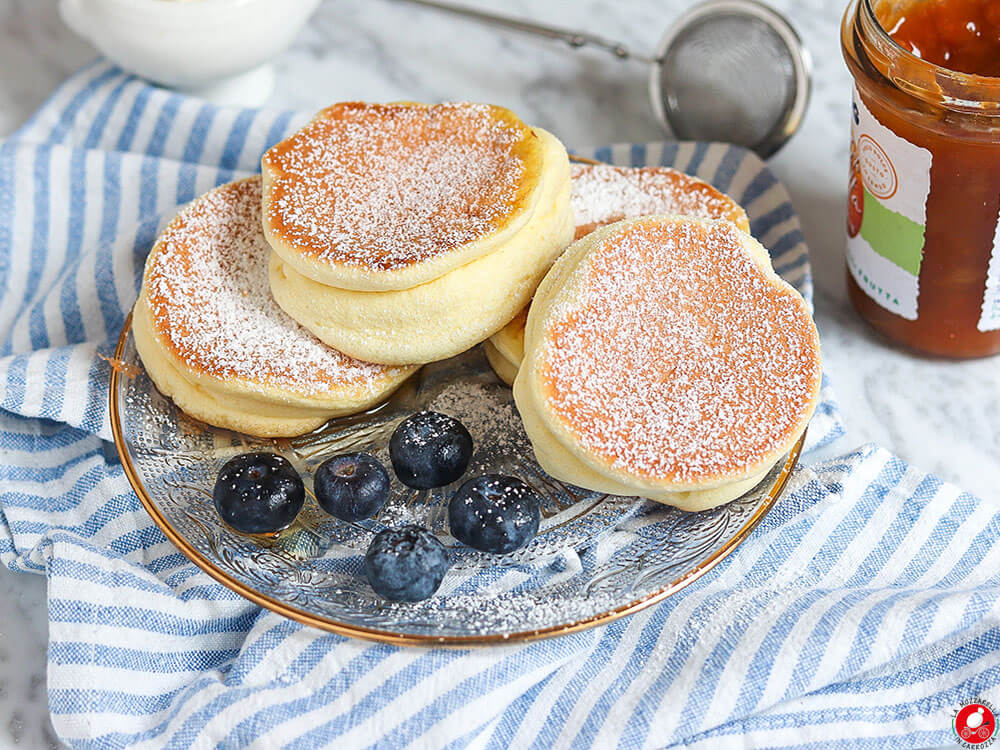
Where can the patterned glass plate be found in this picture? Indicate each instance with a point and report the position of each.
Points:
(596, 557)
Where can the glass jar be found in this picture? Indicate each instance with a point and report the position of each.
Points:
(923, 224)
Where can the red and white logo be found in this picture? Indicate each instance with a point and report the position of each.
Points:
(975, 724)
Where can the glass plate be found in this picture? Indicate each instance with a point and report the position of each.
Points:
(596, 557)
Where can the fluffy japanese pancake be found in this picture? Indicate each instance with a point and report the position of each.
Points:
(212, 338)
(377, 197)
(449, 313)
(603, 194)
(664, 358)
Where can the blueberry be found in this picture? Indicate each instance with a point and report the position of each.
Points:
(494, 513)
(406, 564)
(430, 449)
(352, 486)
(258, 493)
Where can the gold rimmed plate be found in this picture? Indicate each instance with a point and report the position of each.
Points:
(596, 557)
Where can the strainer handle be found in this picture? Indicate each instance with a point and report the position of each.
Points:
(572, 38)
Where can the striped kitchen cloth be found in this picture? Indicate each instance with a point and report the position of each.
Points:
(862, 610)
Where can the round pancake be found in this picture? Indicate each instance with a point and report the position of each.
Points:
(376, 197)
(212, 338)
(452, 313)
(665, 358)
(603, 194)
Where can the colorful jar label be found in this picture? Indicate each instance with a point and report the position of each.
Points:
(886, 212)
(990, 319)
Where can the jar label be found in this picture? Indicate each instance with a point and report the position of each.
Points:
(886, 212)
(990, 319)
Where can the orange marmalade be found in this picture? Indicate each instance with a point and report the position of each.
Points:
(923, 219)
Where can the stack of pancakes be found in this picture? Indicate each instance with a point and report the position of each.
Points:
(661, 356)
(408, 234)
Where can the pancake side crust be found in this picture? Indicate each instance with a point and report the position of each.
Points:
(503, 367)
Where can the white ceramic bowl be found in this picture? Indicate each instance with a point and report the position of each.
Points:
(207, 46)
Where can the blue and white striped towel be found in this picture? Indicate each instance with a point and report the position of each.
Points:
(864, 608)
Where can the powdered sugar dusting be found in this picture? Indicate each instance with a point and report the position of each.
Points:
(483, 414)
(603, 194)
(679, 360)
(378, 187)
(207, 283)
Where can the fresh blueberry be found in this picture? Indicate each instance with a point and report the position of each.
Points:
(352, 486)
(406, 564)
(258, 493)
(430, 449)
(494, 513)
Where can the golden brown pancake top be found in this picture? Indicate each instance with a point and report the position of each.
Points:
(207, 286)
(385, 186)
(603, 194)
(679, 360)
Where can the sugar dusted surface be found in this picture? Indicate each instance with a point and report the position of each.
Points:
(693, 369)
(207, 284)
(603, 194)
(379, 187)
(483, 414)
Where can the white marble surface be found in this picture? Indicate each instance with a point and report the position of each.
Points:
(944, 417)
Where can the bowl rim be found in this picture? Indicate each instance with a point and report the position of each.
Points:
(192, 10)
(182, 6)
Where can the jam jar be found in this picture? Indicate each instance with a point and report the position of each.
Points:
(923, 219)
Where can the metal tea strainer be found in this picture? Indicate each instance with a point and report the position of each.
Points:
(725, 70)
